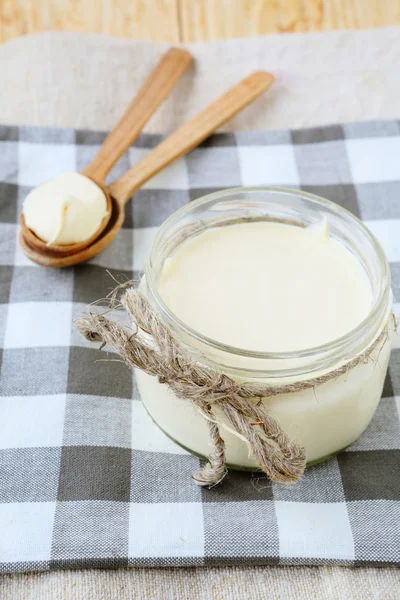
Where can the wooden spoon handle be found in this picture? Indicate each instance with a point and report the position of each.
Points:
(191, 134)
(154, 90)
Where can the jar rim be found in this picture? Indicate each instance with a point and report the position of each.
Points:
(361, 329)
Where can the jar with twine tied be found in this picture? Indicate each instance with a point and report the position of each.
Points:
(329, 395)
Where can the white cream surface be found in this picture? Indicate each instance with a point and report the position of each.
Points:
(266, 286)
(66, 210)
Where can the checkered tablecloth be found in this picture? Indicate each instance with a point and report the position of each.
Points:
(86, 479)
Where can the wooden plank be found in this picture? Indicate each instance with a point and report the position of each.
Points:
(13, 19)
(192, 20)
(291, 16)
(209, 20)
(221, 19)
(140, 19)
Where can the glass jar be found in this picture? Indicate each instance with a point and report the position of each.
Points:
(325, 418)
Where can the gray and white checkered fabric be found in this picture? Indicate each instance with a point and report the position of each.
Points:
(86, 479)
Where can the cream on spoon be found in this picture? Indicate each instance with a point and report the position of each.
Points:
(66, 210)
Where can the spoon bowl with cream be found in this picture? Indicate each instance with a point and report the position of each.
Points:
(66, 213)
(74, 217)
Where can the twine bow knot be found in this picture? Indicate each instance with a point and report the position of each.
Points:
(218, 398)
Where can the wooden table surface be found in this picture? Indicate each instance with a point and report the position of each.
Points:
(192, 20)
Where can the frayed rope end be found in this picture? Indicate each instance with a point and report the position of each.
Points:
(85, 326)
(209, 476)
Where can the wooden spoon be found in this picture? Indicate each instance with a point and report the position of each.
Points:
(152, 93)
(178, 143)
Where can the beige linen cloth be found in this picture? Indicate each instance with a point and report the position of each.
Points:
(85, 81)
